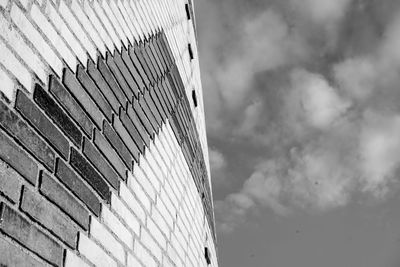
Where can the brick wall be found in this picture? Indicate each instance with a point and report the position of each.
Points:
(103, 150)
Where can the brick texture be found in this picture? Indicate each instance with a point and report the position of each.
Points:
(103, 158)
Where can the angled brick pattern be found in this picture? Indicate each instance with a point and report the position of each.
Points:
(103, 158)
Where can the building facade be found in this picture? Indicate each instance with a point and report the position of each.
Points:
(103, 150)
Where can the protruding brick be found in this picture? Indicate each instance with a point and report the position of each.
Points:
(119, 78)
(13, 255)
(139, 125)
(57, 194)
(10, 182)
(32, 142)
(126, 138)
(70, 104)
(74, 183)
(108, 76)
(20, 229)
(80, 94)
(81, 165)
(17, 158)
(118, 145)
(101, 164)
(52, 110)
(48, 215)
(42, 124)
(126, 74)
(94, 92)
(109, 153)
(103, 86)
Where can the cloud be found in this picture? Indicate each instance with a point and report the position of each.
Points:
(218, 167)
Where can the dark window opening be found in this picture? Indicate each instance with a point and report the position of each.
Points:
(207, 255)
(187, 11)
(190, 51)
(194, 97)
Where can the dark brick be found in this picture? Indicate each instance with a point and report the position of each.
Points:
(11, 255)
(43, 125)
(57, 115)
(118, 145)
(78, 188)
(158, 55)
(81, 165)
(20, 229)
(112, 82)
(49, 216)
(137, 109)
(156, 61)
(71, 105)
(161, 53)
(72, 84)
(133, 131)
(149, 61)
(139, 66)
(18, 159)
(126, 138)
(102, 84)
(138, 53)
(166, 50)
(119, 77)
(153, 108)
(58, 195)
(138, 124)
(10, 182)
(31, 141)
(133, 70)
(94, 92)
(148, 114)
(127, 75)
(159, 100)
(101, 164)
(110, 154)
(163, 92)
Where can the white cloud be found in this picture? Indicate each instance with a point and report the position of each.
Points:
(218, 167)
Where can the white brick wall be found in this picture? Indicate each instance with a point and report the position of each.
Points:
(94, 253)
(117, 227)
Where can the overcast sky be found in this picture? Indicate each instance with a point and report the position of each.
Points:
(302, 105)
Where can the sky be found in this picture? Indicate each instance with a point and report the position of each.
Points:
(302, 102)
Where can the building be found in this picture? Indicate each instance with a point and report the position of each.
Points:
(103, 150)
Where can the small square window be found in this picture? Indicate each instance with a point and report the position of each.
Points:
(190, 51)
(194, 98)
(207, 255)
(187, 11)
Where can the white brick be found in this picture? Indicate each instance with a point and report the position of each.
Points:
(149, 242)
(133, 262)
(146, 167)
(121, 20)
(167, 202)
(143, 181)
(165, 213)
(132, 202)
(139, 192)
(167, 262)
(125, 214)
(155, 231)
(11, 63)
(161, 222)
(107, 25)
(117, 227)
(120, 33)
(72, 260)
(132, 18)
(7, 85)
(128, 21)
(105, 238)
(144, 256)
(94, 253)
(22, 49)
(90, 30)
(97, 24)
(36, 39)
(65, 32)
(48, 30)
(173, 255)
